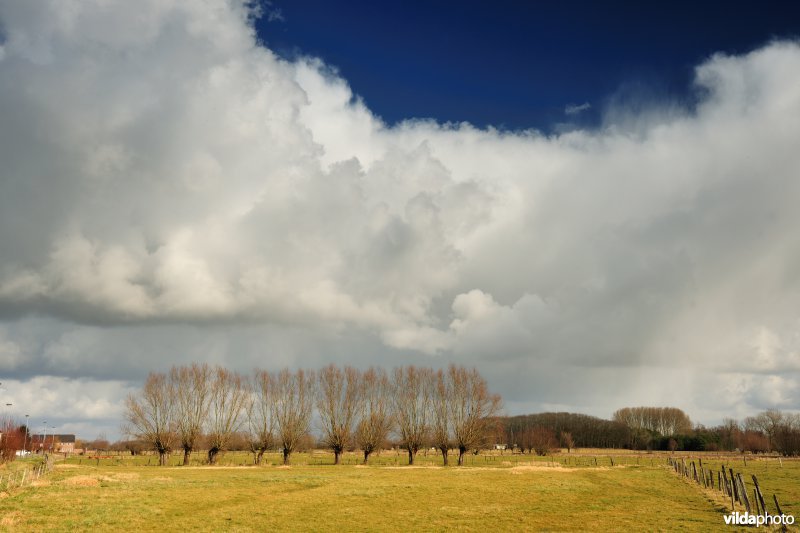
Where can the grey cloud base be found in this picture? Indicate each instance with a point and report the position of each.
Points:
(172, 191)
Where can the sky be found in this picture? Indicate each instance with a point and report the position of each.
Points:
(519, 65)
(594, 207)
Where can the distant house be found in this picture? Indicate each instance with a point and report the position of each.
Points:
(53, 442)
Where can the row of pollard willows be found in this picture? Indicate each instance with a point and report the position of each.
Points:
(728, 483)
(25, 476)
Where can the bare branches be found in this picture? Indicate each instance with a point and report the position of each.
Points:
(338, 403)
(446, 409)
(228, 395)
(293, 403)
(471, 407)
(191, 386)
(440, 411)
(666, 421)
(411, 395)
(261, 414)
(375, 418)
(150, 416)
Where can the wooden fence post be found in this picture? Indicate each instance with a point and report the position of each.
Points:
(743, 492)
(725, 478)
(733, 506)
(777, 505)
(759, 495)
(735, 488)
(728, 489)
(755, 499)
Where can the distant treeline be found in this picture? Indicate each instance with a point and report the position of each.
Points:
(653, 428)
(568, 430)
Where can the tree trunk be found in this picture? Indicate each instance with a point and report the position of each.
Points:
(461, 452)
(187, 452)
(410, 456)
(212, 456)
(286, 454)
(444, 455)
(337, 457)
(163, 458)
(260, 456)
(366, 456)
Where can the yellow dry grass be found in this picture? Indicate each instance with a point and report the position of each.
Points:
(526, 496)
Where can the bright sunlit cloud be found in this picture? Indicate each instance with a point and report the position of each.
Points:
(173, 191)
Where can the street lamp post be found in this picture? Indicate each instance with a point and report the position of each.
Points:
(52, 438)
(7, 422)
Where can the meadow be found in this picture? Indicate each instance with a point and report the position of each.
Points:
(566, 492)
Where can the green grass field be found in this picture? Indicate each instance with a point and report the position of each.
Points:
(501, 493)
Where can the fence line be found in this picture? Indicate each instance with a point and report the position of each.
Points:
(729, 483)
(25, 476)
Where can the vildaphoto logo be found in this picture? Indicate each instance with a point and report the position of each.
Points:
(748, 519)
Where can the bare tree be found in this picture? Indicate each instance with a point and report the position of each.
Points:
(471, 409)
(338, 403)
(228, 395)
(767, 422)
(440, 411)
(411, 395)
(567, 440)
(543, 440)
(191, 384)
(149, 415)
(261, 414)
(786, 438)
(665, 421)
(375, 419)
(293, 403)
(525, 439)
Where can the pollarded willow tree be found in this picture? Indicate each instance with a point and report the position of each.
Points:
(191, 387)
(293, 404)
(261, 414)
(472, 408)
(150, 415)
(375, 420)
(440, 414)
(228, 394)
(411, 397)
(339, 397)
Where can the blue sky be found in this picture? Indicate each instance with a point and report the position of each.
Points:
(515, 64)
